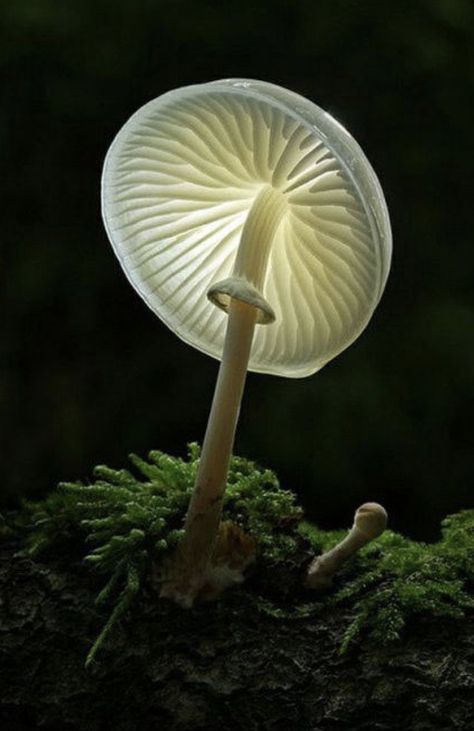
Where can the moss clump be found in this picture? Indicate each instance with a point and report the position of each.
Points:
(395, 579)
(124, 524)
(131, 522)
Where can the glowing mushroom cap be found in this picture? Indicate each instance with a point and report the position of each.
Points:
(178, 182)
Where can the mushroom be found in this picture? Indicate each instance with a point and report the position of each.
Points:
(253, 225)
(370, 521)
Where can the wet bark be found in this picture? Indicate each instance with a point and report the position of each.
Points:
(219, 666)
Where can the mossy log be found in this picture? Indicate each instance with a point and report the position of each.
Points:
(224, 665)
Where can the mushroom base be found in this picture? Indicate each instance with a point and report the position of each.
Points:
(233, 553)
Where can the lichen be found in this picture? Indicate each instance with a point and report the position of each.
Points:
(126, 522)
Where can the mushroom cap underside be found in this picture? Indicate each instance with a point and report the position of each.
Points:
(178, 182)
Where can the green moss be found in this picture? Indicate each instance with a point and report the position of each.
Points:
(395, 579)
(125, 523)
(130, 522)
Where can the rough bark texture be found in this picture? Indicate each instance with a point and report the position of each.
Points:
(222, 666)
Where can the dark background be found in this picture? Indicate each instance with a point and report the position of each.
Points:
(89, 374)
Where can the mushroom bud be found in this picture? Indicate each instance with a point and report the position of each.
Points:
(370, 521)
(253, 225)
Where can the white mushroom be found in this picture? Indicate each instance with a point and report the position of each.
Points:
(370, 521)
(244, 195)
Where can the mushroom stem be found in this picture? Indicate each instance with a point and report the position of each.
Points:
(257, 236)
(189, 571)
(205, 509)
(370, 521)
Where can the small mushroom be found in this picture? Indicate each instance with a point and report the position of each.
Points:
(370, 521)
(253, 225)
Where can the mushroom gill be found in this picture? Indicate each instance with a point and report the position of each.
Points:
(177, 191)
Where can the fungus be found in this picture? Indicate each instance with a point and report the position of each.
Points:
(370, 521)
(253, 225)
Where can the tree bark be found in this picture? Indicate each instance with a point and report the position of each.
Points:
(227, 665)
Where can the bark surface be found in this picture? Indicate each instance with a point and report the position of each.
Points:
(228, 665)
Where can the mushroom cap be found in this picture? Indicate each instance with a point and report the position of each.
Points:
(371, 519)
(178, 182)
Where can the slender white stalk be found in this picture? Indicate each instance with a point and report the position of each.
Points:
(370, 521)
(259, 229)
(205, 508)
(189, 570)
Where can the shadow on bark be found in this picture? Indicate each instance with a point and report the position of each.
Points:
(229, 665)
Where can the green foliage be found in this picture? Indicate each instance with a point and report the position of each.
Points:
(395, 579)
(125, 524)
(130, 523)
